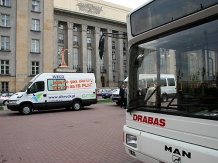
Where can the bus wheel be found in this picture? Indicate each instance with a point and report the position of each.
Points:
(164, 98)
(26, 109)
(77, 105)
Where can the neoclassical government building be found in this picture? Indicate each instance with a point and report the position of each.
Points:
(37, 34)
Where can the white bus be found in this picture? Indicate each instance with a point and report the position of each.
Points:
(181, 38)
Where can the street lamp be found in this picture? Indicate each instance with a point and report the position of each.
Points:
(63, 63)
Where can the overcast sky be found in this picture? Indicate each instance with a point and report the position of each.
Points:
(128, 3)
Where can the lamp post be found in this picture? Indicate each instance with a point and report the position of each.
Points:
(63, 63)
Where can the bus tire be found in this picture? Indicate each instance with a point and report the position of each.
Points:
(77, 105)
(26, 109)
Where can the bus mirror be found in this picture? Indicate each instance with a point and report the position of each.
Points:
(101, 48)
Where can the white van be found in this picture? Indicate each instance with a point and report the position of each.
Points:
(168, 85)
(55, 90)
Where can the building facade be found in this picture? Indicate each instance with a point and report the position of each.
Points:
(33, 32)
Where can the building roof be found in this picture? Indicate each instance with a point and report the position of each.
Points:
(96, 8)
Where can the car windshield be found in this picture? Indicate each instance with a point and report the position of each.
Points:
(25, 88)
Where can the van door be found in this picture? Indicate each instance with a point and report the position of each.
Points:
(37, 95)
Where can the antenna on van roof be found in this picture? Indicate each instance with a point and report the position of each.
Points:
(113, 35)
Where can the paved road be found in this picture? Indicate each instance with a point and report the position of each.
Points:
(92, 135)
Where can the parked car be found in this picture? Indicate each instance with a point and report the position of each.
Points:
(116, 97)
(4, 98)
(107, 94)
(102, 91)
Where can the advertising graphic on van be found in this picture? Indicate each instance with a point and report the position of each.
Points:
(36, 97)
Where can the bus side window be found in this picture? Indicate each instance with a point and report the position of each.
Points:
(171, 82)
(163, 82)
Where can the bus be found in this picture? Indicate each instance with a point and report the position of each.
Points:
(181, 38)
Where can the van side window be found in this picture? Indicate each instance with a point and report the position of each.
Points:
(163, 82)
(56, 84)
(171, 81)
(37, 87)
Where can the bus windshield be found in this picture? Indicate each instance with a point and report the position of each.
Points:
(177, 74)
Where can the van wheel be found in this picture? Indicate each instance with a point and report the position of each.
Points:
(77, 105)
(5, 102)
(164, 98)
(26, 109)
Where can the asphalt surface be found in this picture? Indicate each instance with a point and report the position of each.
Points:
(91, 135)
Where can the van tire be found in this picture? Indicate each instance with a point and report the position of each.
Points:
(77, 105)
(164, 98)
(26, 109)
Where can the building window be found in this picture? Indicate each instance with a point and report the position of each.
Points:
(60, 38)
(35, 46)
(5, 20)
(124, 46)
(113, 55)
(75, 40)
(124, 67)
(89, 59)
(75, 28)
(124, 56)
(114, 78)
(5, 2)
(102, 69)
(89, 30)
(89, 41)
(113, 44)
(4, 67)
(5, 86)
(5, 43)
(35, 68)
(75, 58)
(113, 66)
(35, 24)
(35, 6)
(60, 25)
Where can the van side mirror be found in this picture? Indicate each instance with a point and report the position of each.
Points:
(101, 48)
(28, 91)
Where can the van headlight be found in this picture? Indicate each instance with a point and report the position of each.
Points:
(131, 140)
(13, 101)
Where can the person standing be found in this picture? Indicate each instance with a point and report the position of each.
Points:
(121, 94)
(152, 100)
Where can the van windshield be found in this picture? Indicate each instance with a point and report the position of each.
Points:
(25, 88)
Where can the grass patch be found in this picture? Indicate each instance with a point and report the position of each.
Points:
(104, 100)
(1, 108)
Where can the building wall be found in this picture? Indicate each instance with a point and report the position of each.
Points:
(97, 15)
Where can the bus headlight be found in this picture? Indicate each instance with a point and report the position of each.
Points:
(131, 140)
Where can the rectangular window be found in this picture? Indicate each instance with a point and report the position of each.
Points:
(35, 6)
(4, 67)
(60, 38)
(75, 40)
(113, 55)
(89, 41)
(5, 20)
(5, 2)
(75, 28)
(113, 44)
(5, 43)
(113, 66)
(35, 68)
(35, 24)
(89, 60)
(75, 58)
(5, 86)
(35, 46)
(124, 56)
(102, 69)
(56, 84)
(124, 67)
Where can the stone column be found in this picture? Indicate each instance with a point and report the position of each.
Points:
(108, 60)
(120, 59)
(84, 48)
(55, 56)
(70, 44)
(96, 56)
